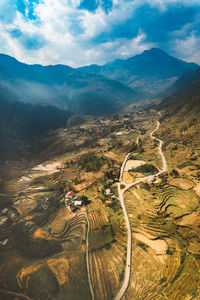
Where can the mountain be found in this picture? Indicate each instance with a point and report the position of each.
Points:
(185, 96)
(63, 87)
(151, 72)
(180, 83)
(22, 126)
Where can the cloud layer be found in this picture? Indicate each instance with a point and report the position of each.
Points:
(81, 32)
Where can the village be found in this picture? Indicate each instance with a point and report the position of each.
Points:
(74, 201)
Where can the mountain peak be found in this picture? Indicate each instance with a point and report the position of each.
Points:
(155, 51)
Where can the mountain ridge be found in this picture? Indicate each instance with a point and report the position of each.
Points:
(92, 89)
(63, 87)
(152, 71)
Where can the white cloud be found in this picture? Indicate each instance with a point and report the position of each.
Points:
(69, 33)
(59, 19)
(188, 48)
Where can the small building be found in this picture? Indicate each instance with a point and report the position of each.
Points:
(13, 215)
(108, 192)
(119, 133)
(109, 181)
(69, 194)
(152, 179)
(116, 164)
(78, 203)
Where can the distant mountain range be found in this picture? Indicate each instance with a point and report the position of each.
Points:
(35, 99)
(63, 87)
(149, 73)
(93, 89)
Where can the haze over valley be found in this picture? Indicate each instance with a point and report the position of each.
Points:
(99, 150)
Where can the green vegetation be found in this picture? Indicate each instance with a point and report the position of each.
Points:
(185, 164)
(91, 162)
(146, 169)
(115, 142)
(174, 173)
(43, 284)
(121, 276)
(115, 205)
(143, 246)
(162, 280)
(38, 249)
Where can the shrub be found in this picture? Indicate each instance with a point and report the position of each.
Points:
(147, 168)
(174, 173)
(91, 162)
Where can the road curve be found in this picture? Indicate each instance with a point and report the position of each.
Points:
(164, 162)
(121, 198)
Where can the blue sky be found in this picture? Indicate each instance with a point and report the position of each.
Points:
(82, 32)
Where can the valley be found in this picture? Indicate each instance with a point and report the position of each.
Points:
(65, 215)
(99, 150)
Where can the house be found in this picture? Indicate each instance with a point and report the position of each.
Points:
(109, 181)
(76, 197)
(152, 179)
(13, 215)
(108, 192)
(119, 133)
(116, 164)
(69, 194)
(78, 203)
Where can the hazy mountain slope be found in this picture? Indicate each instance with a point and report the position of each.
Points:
(151, 72)
(181, 121)
(63, 87)
(186, 94)
(95, 94)
(180, 83)
(22, 126)
(180, 124)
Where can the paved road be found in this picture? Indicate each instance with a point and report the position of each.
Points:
(164, 162)
(121, 198)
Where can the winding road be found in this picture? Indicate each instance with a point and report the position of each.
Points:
(121, 198)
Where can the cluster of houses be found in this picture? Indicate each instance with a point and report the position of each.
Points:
(74, 200)
(96, 126)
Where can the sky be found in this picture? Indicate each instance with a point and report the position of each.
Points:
(84, 32)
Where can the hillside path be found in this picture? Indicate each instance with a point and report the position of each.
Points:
(121, 198)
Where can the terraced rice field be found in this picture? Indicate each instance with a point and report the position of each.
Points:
(106, 256)
(162, 268)
(70, 231)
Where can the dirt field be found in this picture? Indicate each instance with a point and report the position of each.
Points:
(182, 183)
(131, 164)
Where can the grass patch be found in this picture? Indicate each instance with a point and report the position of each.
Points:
(185, 164)
(146, 169)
